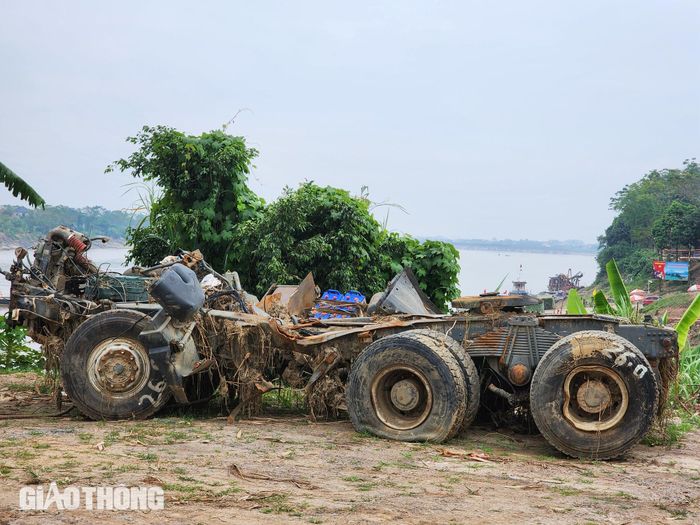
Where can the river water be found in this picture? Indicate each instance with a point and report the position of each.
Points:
(480, 269)
(483, 270)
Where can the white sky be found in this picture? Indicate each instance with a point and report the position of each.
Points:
(483, 119)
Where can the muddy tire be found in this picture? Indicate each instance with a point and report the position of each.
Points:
(471, 374)
(593, 395)
(106, 370)
(407, 387)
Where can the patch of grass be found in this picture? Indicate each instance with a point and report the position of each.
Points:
(565, 490)
(284, 399)
(147, 456)
(366, 486)
(353, 479)
(280, 504)
(33, 477)
(111, 438)
(676, 512)
(186, 478)
(364, 435)
(452, 480)
(228, 491)
(624, 495)
(181, 487)
(681, 412)
(673, 431)
(41, 446)
(687, 386)
(68, 465)
(674, 300)
(85, 437)
(20, 387)
(25, 454)
(176, 436)
(127, 468)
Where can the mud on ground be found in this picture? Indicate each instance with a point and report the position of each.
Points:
(286, 469)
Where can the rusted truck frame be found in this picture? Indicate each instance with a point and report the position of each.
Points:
(591, 384)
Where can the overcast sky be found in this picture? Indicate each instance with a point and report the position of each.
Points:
(483, 119)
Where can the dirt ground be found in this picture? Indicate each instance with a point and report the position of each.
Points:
(287, 469)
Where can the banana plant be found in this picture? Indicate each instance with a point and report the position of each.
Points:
(574, 303)
(601, 304)
(19, 187)
(622, 306)
(689, 318)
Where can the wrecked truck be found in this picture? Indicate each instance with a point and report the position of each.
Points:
(128, 344)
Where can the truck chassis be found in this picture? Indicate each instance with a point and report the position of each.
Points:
(590, 384)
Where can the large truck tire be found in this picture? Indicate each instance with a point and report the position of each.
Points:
(407, 387)
(471, 374)
(593, 395)
(107, 372)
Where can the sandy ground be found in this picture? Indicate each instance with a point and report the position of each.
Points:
(286, 469)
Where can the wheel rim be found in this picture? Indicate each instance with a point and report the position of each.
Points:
(118, 367)
(596, 398)
(402, 397)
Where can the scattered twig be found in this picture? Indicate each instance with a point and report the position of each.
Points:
(472, 456)
(235, 470)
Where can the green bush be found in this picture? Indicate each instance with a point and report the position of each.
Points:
(327, 231)
(323, 230)
(434, 263)
(15, 355)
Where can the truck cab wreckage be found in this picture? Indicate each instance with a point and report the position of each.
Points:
(127, 344)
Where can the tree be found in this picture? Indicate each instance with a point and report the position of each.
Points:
(679, 225)
(19, 187)
(323, 230)
(638, 227)
(203, 180)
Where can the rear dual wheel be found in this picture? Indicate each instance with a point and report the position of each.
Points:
(410, 387)
(594, 395)
(471, 374)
